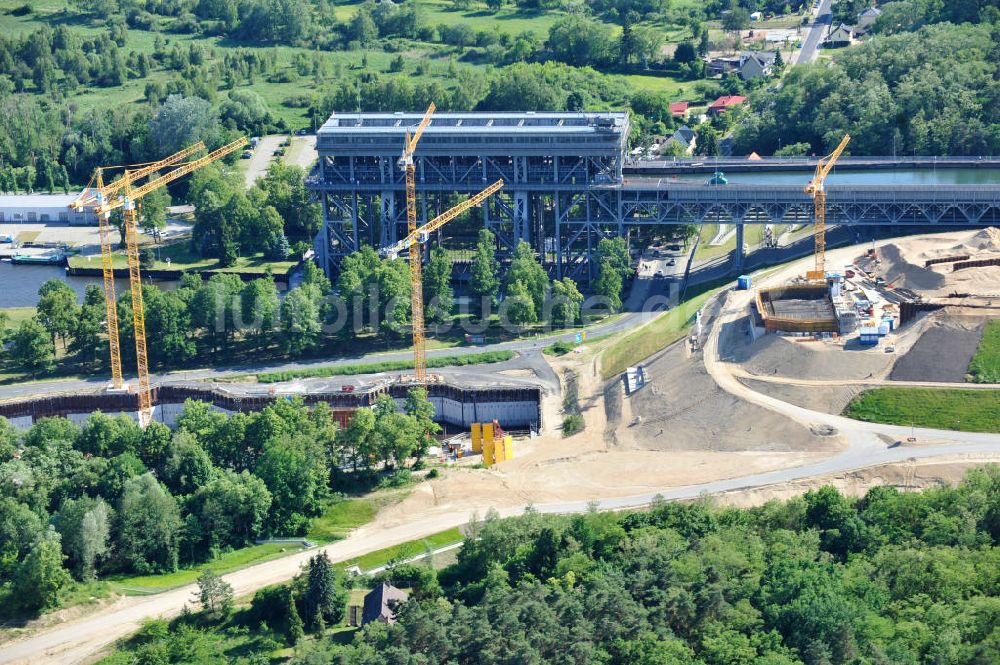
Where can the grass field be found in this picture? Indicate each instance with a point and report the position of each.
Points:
(658, 334)
(341, 517)
(226, 563)
(985, 365)
(386, 366)
(962, 410)
(15, 315)
(404, 550)
(178, 256)
(434, 58)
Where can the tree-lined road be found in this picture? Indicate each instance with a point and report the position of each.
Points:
(868, 445)
(821, 24)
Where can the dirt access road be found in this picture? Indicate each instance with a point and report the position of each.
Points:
(867, 445)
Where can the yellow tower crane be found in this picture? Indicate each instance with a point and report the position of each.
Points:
(416, 269)
(130, 194)
(816, 189)
(413, 242)
(96, 194)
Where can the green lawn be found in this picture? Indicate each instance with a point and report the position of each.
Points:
(182, 258)
(226, 563)
(985, 365)
(343, 516)
(386, 366)
(654, 336)
(436, 58)
(15, 315)
(962, 410)
(404, 550)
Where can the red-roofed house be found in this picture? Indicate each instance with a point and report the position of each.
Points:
(679, 109)
(725, 103)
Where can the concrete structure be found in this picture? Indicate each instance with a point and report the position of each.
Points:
(516, 407)
(557, 168)
(797, 309)
(42, 208)
(568, 186)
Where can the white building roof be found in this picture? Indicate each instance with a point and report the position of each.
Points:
(36, 201)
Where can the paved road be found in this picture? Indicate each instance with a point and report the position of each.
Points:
(810, 46)
(627, 321)
(868, 445)
(262, 158)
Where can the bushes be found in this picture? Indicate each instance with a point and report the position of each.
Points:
(387, 366)
(572, 424)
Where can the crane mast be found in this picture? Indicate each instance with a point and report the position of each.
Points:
(98, 195)
(416, 269)
(816, 189)
(128, 200)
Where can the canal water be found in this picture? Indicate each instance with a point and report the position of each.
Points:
(19, 284)
(930, 176)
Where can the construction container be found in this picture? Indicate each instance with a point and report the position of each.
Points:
(743, 282)
(488, 452)
(499, 450)
(508, 447)
(889, 321)
(883, 330)
(835, 290)
(868, 336)
(477, 438)
(487, 432)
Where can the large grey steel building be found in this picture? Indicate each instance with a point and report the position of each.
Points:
(560, 172)
(568, 186)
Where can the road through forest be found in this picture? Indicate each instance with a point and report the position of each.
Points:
(867, 445)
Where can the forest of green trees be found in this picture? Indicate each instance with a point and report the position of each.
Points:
(893, 578)
(926, 82)
(223, 320)
(935, 91)
(107, 497)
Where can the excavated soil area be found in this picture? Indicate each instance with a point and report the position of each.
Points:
(774, 355)
(828, 399)
(681, 408)
(943, 351)
(904, 263)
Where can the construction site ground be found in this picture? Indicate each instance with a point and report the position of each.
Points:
(746, 421)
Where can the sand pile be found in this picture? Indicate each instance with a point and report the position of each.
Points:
(903, 263)
(943, 351)
(903, 273)
(682, 408)
(774, 355)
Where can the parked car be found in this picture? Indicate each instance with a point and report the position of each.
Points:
(247, 154)
(672, 262)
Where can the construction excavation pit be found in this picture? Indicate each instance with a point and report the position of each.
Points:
(797, 309)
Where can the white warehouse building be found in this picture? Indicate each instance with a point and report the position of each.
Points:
(42, 208)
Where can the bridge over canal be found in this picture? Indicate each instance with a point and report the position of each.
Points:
(569, 184)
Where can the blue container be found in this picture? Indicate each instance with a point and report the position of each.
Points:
(889, 321)
(883, 330)
(835, 290)
(868, 336)
(743, 282)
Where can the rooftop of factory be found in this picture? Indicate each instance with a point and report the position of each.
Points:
(476, 123)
